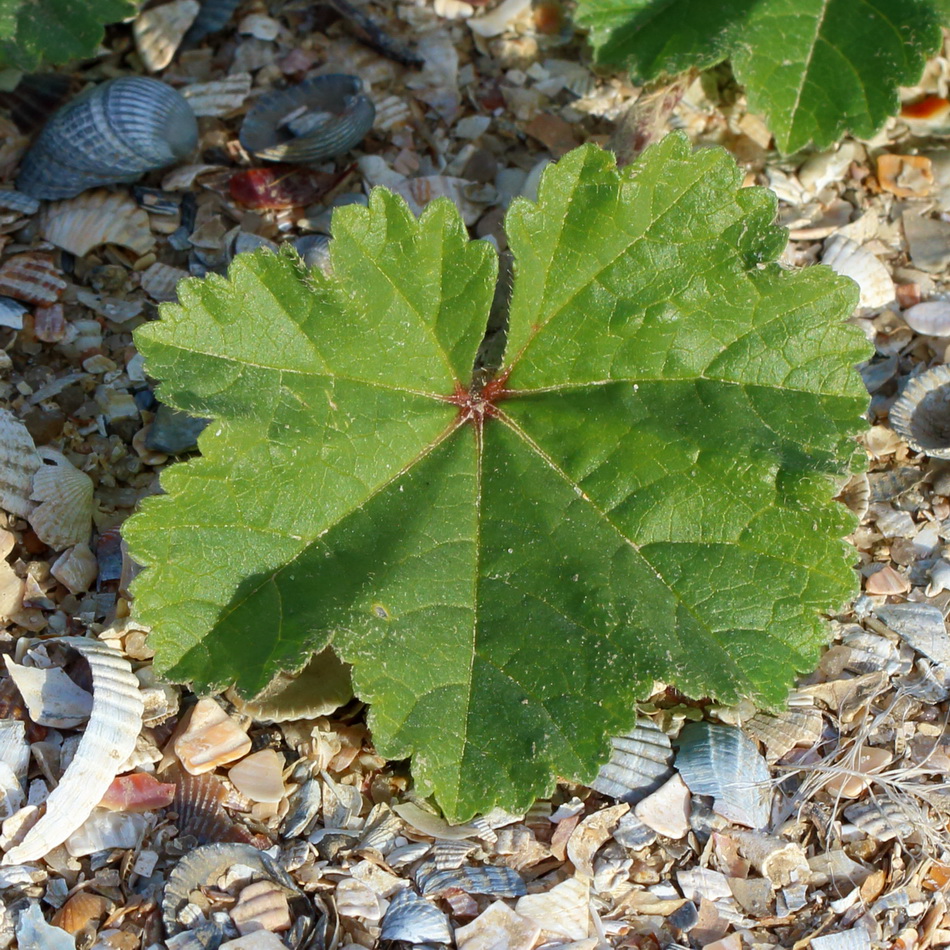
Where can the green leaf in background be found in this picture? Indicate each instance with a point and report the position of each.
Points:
(814, 68)
(44, 32)
(643, 493)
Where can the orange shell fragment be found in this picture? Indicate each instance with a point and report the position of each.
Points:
(137, 792)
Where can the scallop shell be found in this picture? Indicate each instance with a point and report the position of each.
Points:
(201, 815)
(111, 133)
(931, 318)
(564, 910)
(81, 224)
(318, 119)
(849, 259)
(218, 98)
(63, 516)
(639, 764)
(921, 416)
(106, 742)
(720, 761)
(159, 31)
(410, 917)
(19, 460)
(259, 776)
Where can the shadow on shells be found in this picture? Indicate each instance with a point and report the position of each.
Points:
(921, 416)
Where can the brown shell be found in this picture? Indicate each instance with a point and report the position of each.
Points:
(31, 277)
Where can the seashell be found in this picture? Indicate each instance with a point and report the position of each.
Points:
(63, 516)
(17, 201)
(19, 460)
(49, 323)
(381, 830)
(588, 837)
(213, 16)
(471, 198)
(850, 776)
(931, 318)
(161, 281)
(720, 761)
(11, 313)
(51, 697)
(315, 251)
(212, 738)
(882, 820)
(304, 810)
(111, 133)
(199, 806)
(259, 776)
(81, 224)
(34, 932)
(920, 625)
(76, 568)
(139, 791)
(317, 119)
(633, 834)
(341, 803)
(855, 938)
(906, 176)
(921, 415)
(355, 899)
(261, 905)
(886, 582)
(856, 494)
(220, 97)
(428, 823)
(104, 830)
(31, 277)
(495, 881)
(81, 910)
(158, 31)
(849, 259)
(498, 926)
(939, 578)
(564, 910)
(14, 761)
(639, 763)
(497, 21)
(783, 732)
(106, 742)
(412, 918)
(666, 811)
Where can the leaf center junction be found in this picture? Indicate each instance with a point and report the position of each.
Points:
(478, 402)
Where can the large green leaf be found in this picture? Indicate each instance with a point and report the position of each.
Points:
(43, 32)
(815, 68)
(643, 493)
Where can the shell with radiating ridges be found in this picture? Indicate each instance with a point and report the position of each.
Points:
(495, 881)
(158, 31)
(19, 461)
(921, 415)
(80, 224)
(564, 910)
(317, 119)
(410, 917)
(721, 761)
(114, 132)
(107, 741)
(639, 763)
(63, 516)
(849, 259)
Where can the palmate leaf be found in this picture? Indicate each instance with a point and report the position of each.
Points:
(642, 493)
(814, 68)
(44, 32)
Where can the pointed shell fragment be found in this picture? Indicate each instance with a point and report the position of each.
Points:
(849, 259)
(76, 568)
(139, 791)
(212, 738)
(51, 697)
(498, 926)
(317, 119)
(63, 515)
(158, 31)
(412, 918)
(259, 776)
(720, 761)
(920, 625)
(106, 742)
(80, 224)
(921, 415)
(19, 461)
(639, 763)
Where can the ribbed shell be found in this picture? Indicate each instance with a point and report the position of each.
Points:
(18, 463)
(320, 118)
(213, 16)
(113, 132)
(107, 741)
(495, 881)
(413, 918)
(920, 625)
(63, 516)
(99, 217)
(921, 416)
(639, 763)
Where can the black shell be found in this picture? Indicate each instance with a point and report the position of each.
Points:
(320, 118)
(114, 132)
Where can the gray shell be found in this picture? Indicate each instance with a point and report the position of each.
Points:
(318, 119)
(921, 416)
(639, 763)
(414, 919)
(114, 132)
(213, 16)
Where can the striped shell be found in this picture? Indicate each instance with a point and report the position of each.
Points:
(63, 516)
(18, 463)
(97, 217)
(921, 416)
(213, 16)
(113, 132)
(320, 118)
(639, 763)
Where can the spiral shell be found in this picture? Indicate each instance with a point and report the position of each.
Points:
(921, 416)
(113, 132)
(320, 118)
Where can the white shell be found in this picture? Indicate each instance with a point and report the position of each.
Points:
(849, 259)
(76, 569)
(107, 741)
(496, 22)
(51, 697)
(881, 819)
(34, 932)
(355, 899)
(854, 938)
(105, 829)
(97, 217)
(18, 461)
(921, 414)
(159, 31)
(259, 776)
(720, 761)
(931, 318)
(498, 926)
(14, 761)
(666, 811)
(413, 918)
(920, 625)
(220, 97)
(587, 838)
(782, 732)
(63, 516)
(261, 905)
(471, 198)
(639, 763)
(564, 910)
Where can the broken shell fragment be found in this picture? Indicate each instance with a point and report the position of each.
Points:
(564, 910)
(51, 697)
(31, 277)
(158, 31)
(261, 905)
(921, 415)
(63, 515)
(76, 568)
(639, 763)
(212, 738)
(111, 133)
(19, 461)
(103, 830)
(259, 776)
(849, 259)
(137, 792)
(318, 119)
(80, 224)
(107, 741)
(931, 318)
(412, 918)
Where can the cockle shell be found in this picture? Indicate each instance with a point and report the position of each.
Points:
(639, 763)
(106, 742)
(19, 460)
(31, 277)
(158, 31)
(317, 119)
(199, 806)
(413, 918)
(63, 516)
(849, 259)
(113, 132)
(80, 224)
(921, 415)
(931, 318)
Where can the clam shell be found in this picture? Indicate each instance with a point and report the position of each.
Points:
(318, 119)
(63, 516)
(31, 277)
(639, 764)
(849, 259)
(220, 97)
(412, 918)
(19, 460)
(720, 761)
(111, 133)
(931, 318)
(921, 416)
(564, 910)
(107, 741)
(81, 224)
(159, 31)
(259, 776)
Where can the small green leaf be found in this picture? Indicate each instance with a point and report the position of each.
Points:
(642, 493)
(41, 32)
(814, 68)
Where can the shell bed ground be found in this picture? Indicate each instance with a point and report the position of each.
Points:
(838, 836)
